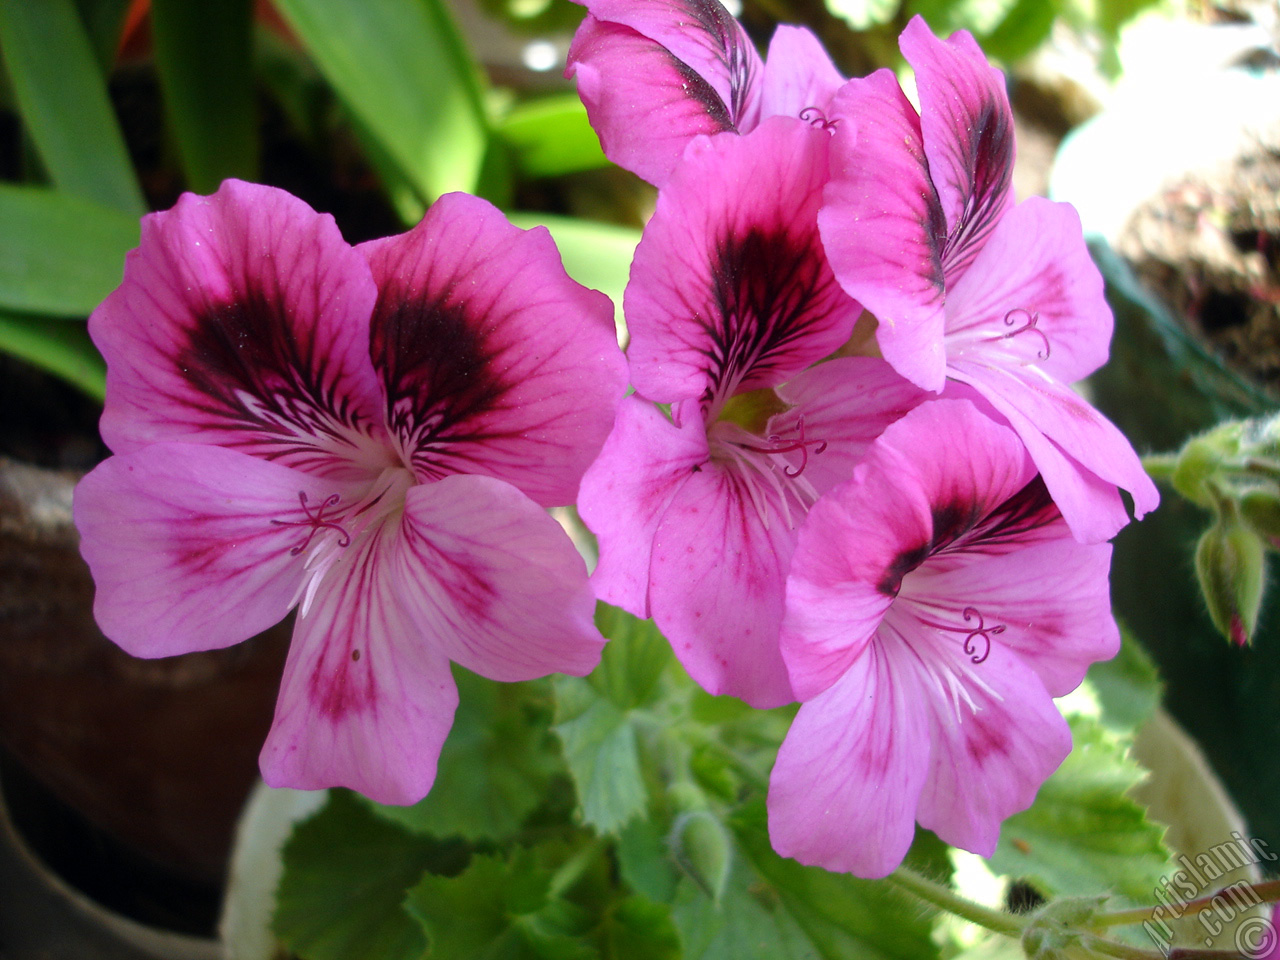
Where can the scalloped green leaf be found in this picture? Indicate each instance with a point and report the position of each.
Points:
(495, 766)
(600, 747)
(1084, 835)
(342, 895)
(499, 910)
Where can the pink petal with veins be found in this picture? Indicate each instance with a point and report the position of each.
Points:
(494, 361)
(730, 289)
(242, 321)
(191, 546)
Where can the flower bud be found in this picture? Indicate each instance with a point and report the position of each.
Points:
(1231, 567)
(1260, 509)
(700, 845)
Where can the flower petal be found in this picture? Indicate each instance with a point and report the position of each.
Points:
(836, 594)
(1033, 297)
(495, 362)
(242, 321)
(989, 758)
(968, 136)
(883, 227)
(719, 567)
(916, 492)
(189, 545)
(644, 102)
(1052, 598)
(798, 76)
(1081, 454)
(844, 789)
(846, 404)
(730, 289)
(625, 494)
(493, 582)
(366, 699)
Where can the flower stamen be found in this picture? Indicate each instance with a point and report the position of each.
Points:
(1029, 320)
(983, 631)
(781, 446)
(816, 118)
(316, 521)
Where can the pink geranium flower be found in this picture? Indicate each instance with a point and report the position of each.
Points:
(730, 303)
(369, 434)
(937, 603)
(920, 227)
(654, 74)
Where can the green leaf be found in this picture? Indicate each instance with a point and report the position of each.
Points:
(600, 747)
(204, 54)
(644, 860)
(1127, 686)
(403, 69)
(498, 910)
(63, 100)
(551, 137)
(59, 255)
(633, 660)
(597, 255)
(1026, 26)
(61, 348)
(495, 765)
(342, 894)
(840, 915)
(1084, 835)
(103, 21)
(639, 929)
(776, 909)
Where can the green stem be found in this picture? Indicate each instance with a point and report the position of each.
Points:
(1160, 466)
(946, 899)
(1268, 892)
(572, 870)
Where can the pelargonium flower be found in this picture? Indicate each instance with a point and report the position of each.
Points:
(920, 227)
(937, 603)
(369, 434)
(654, 74)
(730, 302)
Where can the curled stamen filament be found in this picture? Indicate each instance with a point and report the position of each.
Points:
(1029, 321)
(816, 118)
(800, 444)
(983, 631)
(316, 521)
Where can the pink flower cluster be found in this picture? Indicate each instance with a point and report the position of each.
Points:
(369, 434)
(852, 472)
(904, 532)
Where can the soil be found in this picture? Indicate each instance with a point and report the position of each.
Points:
(1209, 247)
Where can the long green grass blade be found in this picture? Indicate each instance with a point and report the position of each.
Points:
(62, 96)
(59, 255)
(402, 68)
(204, 52)
(551, 136)
(61, 348)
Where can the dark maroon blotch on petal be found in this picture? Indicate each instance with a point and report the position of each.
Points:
(700, 90)
(990, 146)
(769, 287)
(246, 352)
(431, 355)
(728, 42)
